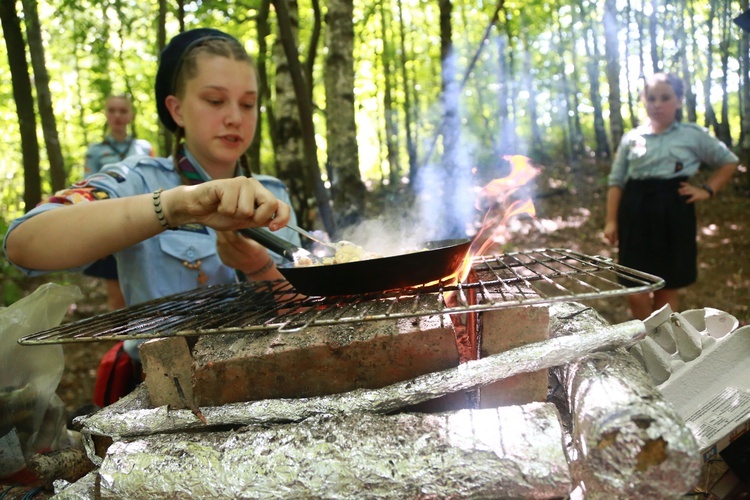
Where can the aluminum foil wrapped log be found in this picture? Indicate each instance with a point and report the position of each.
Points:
(504, 452)
(628, 441)
(132, 416)
(85, 488)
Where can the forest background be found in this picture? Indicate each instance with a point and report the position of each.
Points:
(384, 108)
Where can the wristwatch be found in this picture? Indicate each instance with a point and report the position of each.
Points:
(709, 189)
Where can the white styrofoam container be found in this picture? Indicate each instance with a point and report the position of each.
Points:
(700, 361)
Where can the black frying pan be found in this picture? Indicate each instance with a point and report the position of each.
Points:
(440, 259)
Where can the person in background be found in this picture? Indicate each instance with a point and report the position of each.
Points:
(651, 199)
(116, 146)
(170, 222)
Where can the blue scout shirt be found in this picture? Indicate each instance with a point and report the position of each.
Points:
(677, 152)
(113, 151)
(166, 263)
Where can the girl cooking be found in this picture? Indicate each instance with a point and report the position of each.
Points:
(170, 222)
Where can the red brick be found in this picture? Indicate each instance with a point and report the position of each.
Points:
(320, 360)
(163, 361)
(505, 329)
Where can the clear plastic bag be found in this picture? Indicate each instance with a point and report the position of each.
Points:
(32, 416)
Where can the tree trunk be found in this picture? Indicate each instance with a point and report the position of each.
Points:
(161, 42)
(723, 132)
(653, 26)
(348, 190)
(296, 125)
(450, 221)
(264, 94)
(744, 142)
(592, 67)
(687, 76)
(22, 95)
(577, 139)
(565, 93)
(44, 97)
(612, 55)
(507, 139)
(537, 143)
(309, 65)
(389, 113)
(290, 158)
(411, 148)
(631, 106)
(710, 119)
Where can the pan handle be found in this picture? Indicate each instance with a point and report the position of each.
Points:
(271, 242)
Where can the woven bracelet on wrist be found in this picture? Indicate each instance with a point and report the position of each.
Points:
(268, 265)
(159, 211)
(709, 189)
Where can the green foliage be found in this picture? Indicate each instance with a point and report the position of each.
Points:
(96, 48)
(10, 277)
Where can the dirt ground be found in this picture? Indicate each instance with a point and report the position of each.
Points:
(569, 214)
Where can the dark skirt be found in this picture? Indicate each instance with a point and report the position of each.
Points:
(657, 231)
(103, 268)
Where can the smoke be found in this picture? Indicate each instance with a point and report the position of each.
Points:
(447, 190)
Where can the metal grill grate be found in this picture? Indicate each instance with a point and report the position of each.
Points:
(497, 282)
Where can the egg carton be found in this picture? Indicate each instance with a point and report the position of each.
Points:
(699, 361)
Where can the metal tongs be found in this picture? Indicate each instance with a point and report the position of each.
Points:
(333, 246)
(306, 234)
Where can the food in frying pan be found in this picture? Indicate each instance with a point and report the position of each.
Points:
(346, 251)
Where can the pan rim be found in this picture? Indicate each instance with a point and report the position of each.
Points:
(457, 243)
(374, 275)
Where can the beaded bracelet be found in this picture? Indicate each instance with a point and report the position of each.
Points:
(159, 211)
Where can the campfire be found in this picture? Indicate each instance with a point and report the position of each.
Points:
(496, 381)
(456, 375)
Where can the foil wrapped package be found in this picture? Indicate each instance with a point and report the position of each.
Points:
(132, 416)
(627, 440)
(504, 452)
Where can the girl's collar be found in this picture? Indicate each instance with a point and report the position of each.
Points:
(112, 139)
(647, 130)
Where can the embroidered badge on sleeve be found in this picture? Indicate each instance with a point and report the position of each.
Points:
(76, 194)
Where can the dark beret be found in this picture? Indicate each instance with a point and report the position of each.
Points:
(743, 21)
(170, 62)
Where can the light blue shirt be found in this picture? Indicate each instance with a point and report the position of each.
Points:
(160, 265)
(679, 151)
(113, 151)
(166, 263)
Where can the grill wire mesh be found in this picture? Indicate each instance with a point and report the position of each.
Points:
(496, 282)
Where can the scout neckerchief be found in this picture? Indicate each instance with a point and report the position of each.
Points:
(190, 176)
(122, 154)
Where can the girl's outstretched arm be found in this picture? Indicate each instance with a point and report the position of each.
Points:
(75, 235)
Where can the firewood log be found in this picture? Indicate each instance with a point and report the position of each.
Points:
(627, 440)
(69, 464)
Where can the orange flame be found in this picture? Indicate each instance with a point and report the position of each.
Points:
(506, 199)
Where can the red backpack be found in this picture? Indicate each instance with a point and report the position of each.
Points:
(116, 376)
